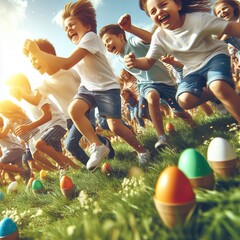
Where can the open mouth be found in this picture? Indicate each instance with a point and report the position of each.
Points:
(164, 19)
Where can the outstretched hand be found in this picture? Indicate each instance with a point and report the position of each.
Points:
(124, 22)
(129, 60)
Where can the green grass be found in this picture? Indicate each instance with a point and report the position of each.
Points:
(120, 206)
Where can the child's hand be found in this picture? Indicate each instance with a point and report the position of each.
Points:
(21, 130)
(129, 60)
(124, 22)
(167, 59)
(30, 47)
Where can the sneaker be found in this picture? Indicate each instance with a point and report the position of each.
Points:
(27, 175)
(219, 107)
(161, 143)
(97, 154)
(111, 154)
(143, 158)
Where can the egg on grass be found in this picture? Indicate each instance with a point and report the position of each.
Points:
(12, 187)
(37, 186)
(222, 158)
(174, 197)
(193, 164)
(8, 229)
(68, 188)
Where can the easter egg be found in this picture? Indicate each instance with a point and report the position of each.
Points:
(1, 196)
(174, 197)
(222, 158)
(68, 188)
(13, 187)
(106, 168)
(196, 168)
(43, 174)
(66, 182)
(170, 128)
(173, 187)
(37, 186)
(8, 229)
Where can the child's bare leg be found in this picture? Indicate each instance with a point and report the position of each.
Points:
(155, 113)
(68, 161)
(207, 109)
(124, 132)
(229, 98)
(34, 166)
(186, 116)
(51, 152)
(40, 158)
(77, 110)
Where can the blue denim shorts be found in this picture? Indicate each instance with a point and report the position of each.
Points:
(218, 68)
(108, 102)
(166, 92)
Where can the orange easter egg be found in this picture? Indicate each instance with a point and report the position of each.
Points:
(106, 168)
(170, 128)
(66, 182)
(173, 187)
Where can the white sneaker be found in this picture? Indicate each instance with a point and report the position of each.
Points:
(143, 158)
(161, 143)
(97, 154)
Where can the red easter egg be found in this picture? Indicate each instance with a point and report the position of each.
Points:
(106, 168)
(170, 127)
(66, 182)
(173, 187)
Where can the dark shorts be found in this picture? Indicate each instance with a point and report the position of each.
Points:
(108, 102)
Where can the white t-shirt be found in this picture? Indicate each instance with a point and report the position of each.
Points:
(34, 112)
(63, 86)
(94, 69)
(10, 142)
(192, 44)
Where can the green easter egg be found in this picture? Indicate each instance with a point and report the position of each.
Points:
(193, 164)
(37, 185)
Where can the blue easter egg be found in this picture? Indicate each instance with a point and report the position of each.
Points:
(7, 227)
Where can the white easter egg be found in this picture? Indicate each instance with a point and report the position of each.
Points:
(220, 150)
(12, 187)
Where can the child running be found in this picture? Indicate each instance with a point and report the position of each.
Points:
(99, 86)
(185, 30)
(153, 84)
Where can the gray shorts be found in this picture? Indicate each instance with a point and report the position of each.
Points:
(108, 102)
(13, 156)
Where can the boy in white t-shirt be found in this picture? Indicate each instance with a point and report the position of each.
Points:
(99, 86)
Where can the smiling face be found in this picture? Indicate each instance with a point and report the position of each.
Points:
(114, 43)
(165, 13)
(225, 11)
(75, 30)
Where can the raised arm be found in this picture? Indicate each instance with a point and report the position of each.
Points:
(45, 62)
(125, 23)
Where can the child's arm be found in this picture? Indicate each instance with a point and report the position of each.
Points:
(142, 63)
(49, 63)
(34, 98)
(125, 23)
(46, 116)
(232, 29)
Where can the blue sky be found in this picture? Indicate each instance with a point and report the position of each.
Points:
(40, 19)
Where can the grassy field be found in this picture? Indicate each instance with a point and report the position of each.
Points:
(120, 205)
